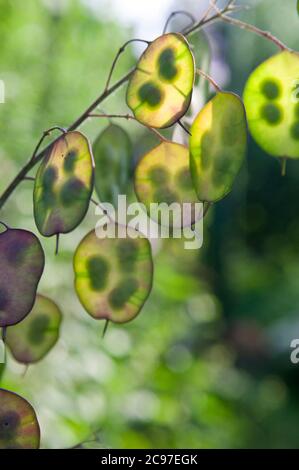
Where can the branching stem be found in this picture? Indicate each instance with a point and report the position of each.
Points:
(46, 134)
(80, 120)
(176, 13)
(205, 21)
(250, 27)
(210, 79)
(120, 51)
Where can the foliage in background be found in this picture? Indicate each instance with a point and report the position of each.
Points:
(206, 363)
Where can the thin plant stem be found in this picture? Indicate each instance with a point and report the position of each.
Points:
(206, 207)
(46, 134)
(208, 11)
(120, 51)
(130, 117)
(183, 127)
(25, 371)
(4, 225)
(57, 244)
(176, 13)
(28, 178)
(105, 328)
(210, 79)
(250, 27)
(4, 331)
(98, 204)
(207, 21)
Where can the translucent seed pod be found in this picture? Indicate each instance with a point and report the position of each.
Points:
(218, 145)
(36, 335)
(22, 262)
(113, 276)
(19, 428)
(160, 89)
(113, 155)
(63, 185)
(162, 177)
(271, 99)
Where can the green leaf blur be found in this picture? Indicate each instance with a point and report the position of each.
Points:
(207, 361)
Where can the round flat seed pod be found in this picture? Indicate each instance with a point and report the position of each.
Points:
(63, 185)
(113, 276)
(112, 152)
(22, 262)
(272, 106)
(160, 89)
(162, 177)
(217, 146)
(19, 428)
(35, 336)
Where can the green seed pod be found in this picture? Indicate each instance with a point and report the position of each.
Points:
(113, 276)
(19, 428)
(63, 185)
(163, 176)
(113, 155)
(22, 262)
(271, 99)
(217, 146)
(34, 337)
(160, 89)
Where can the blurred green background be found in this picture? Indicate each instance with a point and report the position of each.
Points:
(207, 361)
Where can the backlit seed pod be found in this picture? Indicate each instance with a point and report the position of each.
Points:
(22, 262)
(19, 428)
(218, 146)
(63, 185)
(163, 176)
(34, 337)
(160, 89)
(271, 99)
(113, 155)
(113, 276)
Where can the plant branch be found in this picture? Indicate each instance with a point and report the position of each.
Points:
(28, 178)
(204, 21)
(120, 51)
(82, 118)
(209, 78)
(46, 134)
(128, 117)
(176, 13)
(249, 27)
(4, 225)
(183, 127)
